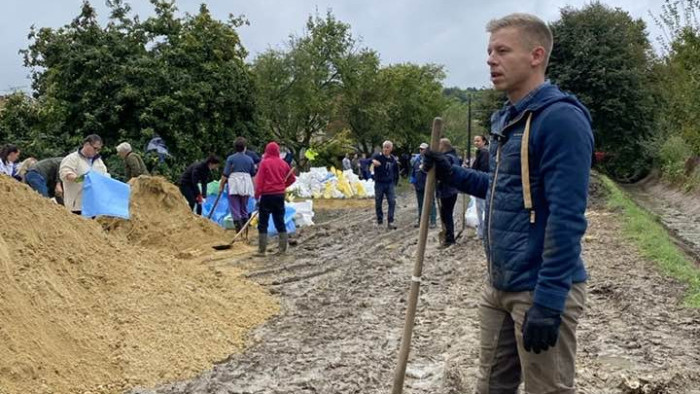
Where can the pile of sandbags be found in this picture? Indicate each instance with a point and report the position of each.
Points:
(319, 182)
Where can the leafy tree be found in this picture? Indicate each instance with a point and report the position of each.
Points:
(604, 57)
(364, 106)
(414, 100)
(679, 73)
(299, 88)
(184, 79)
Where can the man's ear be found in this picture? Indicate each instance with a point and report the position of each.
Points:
(538, 56)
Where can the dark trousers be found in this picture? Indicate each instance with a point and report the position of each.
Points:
(191, 198)
(419, 196)
(271, 204)
(447, 208)
(380, 190)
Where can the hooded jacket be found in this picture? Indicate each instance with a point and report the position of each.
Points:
(274, 175)
(544, 255)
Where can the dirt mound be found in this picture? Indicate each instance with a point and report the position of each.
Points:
(161, 219)
(81, 310)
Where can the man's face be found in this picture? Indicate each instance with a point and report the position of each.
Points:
(509, 60)
(91, 150)
(387, 150)
(478, 142)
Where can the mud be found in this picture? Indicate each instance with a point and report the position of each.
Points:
(678, 211)
(344, 289)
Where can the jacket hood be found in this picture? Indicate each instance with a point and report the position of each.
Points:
(539, 99)
(272, 150)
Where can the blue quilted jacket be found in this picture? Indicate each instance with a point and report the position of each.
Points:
(539, 249)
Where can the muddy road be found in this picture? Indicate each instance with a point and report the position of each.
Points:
(344, 288)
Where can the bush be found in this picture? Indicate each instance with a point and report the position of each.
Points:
(673, 154)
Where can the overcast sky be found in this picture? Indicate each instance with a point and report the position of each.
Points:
(447, 32)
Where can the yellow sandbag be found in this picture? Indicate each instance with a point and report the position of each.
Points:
(328, 191)
(344, 187)
(359, 189)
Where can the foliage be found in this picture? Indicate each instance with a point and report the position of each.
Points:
(604, 57)
(654, 242)
(183, 79)
(414, 100)
(365, 100)
(485, 104)
(298, 88)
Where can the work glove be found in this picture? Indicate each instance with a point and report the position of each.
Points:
(540, 328)
(199, 199)
(443, 167)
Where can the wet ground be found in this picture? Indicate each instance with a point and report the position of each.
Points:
(344, 290)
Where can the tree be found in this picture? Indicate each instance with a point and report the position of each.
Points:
(184, 79)
(603, 56)
(364, 100)
(299, 89)
(414, 99)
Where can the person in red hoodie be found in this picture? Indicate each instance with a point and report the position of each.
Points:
(274, 176)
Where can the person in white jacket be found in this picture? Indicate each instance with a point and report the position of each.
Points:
(74, 167)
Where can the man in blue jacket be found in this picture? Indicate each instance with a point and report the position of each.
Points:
(386, 175)
(535, 193)
(418, 178)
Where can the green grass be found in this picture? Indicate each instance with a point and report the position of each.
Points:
(654, 242)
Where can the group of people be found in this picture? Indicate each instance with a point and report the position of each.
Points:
(247, 175)
(61, 178)
(386, 174)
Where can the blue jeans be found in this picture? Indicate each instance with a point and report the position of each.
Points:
(433, 212)
(37, 182)
(380, 190)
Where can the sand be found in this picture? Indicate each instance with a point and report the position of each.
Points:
(86, 311)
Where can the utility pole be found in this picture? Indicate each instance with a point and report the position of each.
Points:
(469, 129)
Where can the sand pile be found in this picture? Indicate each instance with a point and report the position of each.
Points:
(81, 310)
(161, 219)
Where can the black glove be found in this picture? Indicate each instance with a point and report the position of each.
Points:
(443, 167)
(540, 328)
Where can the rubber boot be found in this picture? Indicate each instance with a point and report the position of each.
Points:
(283, 241)
(262, 245)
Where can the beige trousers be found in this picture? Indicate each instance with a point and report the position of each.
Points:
(504, 363)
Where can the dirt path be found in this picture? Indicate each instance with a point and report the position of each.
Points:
(344, 290)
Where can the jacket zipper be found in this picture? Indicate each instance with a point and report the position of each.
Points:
(493, 192)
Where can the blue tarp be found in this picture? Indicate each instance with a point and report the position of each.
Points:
(221, 208)
(104, 196)
(222, 215)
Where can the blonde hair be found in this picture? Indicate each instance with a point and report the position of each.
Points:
(535, 31)
(387, 144)
(24, 166)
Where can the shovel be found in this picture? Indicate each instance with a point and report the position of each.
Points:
(245, 226)
(238, 234)
(216, 202)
